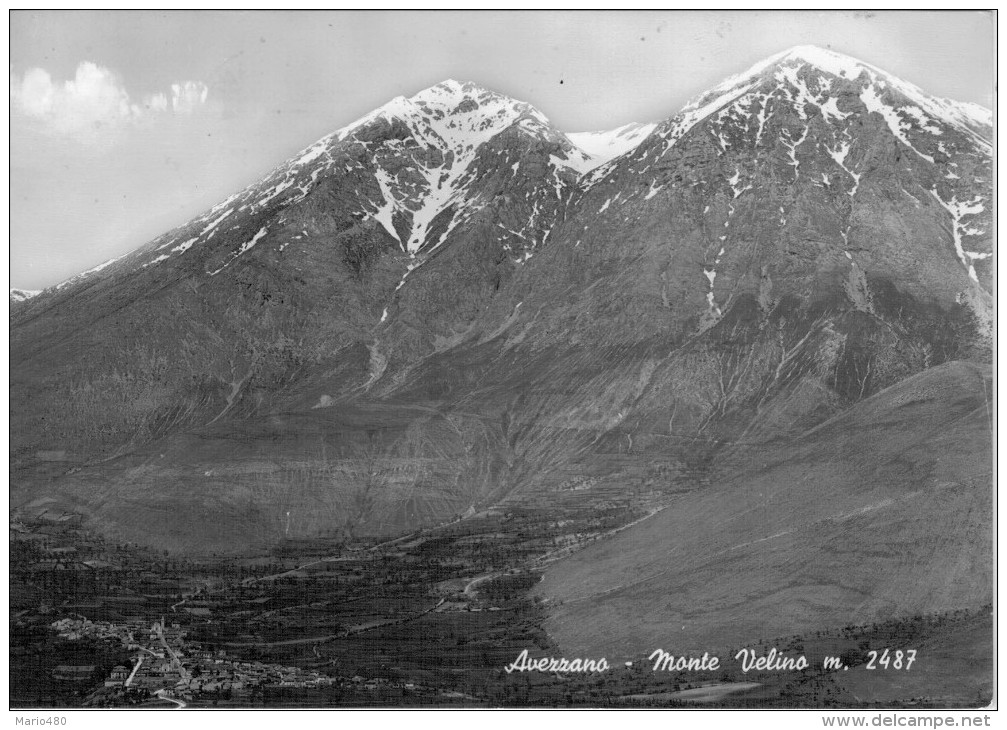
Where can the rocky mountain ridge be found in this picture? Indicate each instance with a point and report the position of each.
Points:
(450, 303)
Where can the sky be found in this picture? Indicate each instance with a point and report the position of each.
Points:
(124, 124)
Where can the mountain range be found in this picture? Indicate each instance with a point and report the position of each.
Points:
(773, 310)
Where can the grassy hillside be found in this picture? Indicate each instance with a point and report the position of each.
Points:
(882, 511)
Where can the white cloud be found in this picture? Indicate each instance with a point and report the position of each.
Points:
(187, 96)
(94, 101)
(157, 102)
(35, 92)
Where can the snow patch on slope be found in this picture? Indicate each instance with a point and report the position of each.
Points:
(604, 146)
(20, 295)
(246, 246)
(869, 96)
(87, 273)
(383, 214)
(959, 210)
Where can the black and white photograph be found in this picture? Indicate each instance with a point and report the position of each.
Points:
(488, 360)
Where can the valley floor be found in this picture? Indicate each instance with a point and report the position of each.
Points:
(432, 618)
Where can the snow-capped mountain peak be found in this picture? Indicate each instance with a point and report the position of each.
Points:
(418, 150)
(449, 93)
(461, 114)
(828, 60)
(812, 117)
(420, 153)
(846, 66)
(783, 68)
(422, 166)
(456, 119)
